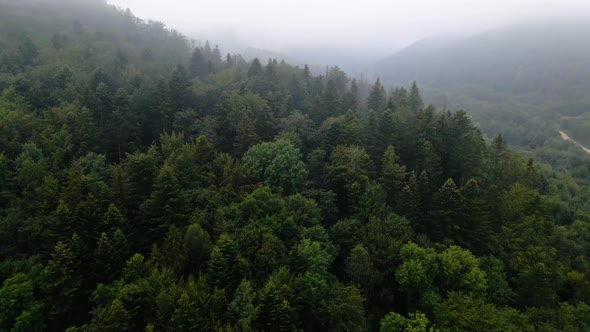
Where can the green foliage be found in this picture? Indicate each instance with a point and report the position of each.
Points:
(19, 311)
(139, 195)
(462, 312)
(242, 309)
(416, 322)
(344, 311)
(279, 165)
(431, 275)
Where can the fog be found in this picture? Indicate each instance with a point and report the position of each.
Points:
(346, 29)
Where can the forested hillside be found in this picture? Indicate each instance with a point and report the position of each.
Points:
(526, 81)
(147, 185)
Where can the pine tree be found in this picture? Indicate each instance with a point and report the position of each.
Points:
(447, 202)
(377, 98)
(179, 92)
(110, 255)
(410, 205)
(255, 69)
(114, 318)
(113, 218)
(185, 317)
(246, 136)
(198, 64)
(275, 312)
(174, 249)
(166, 206)
(198, 247)
(242, 310)
(400, 98)
(62, 281)
(430, 161)
(415, 100)
(359, 268)
(306, 73)
(393, 176)
(229, 61)
(352, 97)
(223, 270)
(27, 52)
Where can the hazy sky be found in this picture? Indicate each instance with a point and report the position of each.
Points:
(379, 25)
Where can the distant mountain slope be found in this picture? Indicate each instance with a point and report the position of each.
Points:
(534, 58)
(526, 81)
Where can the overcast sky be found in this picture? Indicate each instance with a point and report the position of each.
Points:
(379, 25)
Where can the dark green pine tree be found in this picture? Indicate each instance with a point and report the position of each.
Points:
(275, 311)
(185, 317)
(120, 189)
(224, 269)
(265, 124)
(110, 255)
(166, 206)
(331, 103)
(448, 203)
(242, 310)
(475, 227)
(255, 69)
(246, 136)
(198, 64)
(122, 127)
(113, 318)
(270, 78)
(179, 94)
(229, 61)
(306, 73)
(351, 99)
(415, 100)
(410, 204)
(27, 52)
(370, 137)
(400, 98)
(377, 98)
(63, 77)
(113, 219)
(198, 248)
(174, 249)
(393, 176)
(429, 160)
(61, 284)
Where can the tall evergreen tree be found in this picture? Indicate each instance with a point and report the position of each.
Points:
(414, 99)
(393, 176)
(377, 98)
(255, 69)
(198, 64)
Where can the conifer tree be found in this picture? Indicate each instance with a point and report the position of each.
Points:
(377, 98)
(246, 136)
(255, 69)
(224, 269)
(393, 176)
(415, 100)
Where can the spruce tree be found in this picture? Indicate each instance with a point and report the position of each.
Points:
(393, 176)
(415, 100)
(246, 136)
(377, 98)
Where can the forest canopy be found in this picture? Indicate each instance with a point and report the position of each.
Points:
(151, 184)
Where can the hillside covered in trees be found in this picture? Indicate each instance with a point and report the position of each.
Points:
(150, 185)
(527, 81)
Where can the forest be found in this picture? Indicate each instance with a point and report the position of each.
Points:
(149, 183)
(527, 80)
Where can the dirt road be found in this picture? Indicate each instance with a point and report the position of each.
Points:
(567, 138)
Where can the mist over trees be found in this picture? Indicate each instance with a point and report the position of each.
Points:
(527, 81)
(148, 184)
